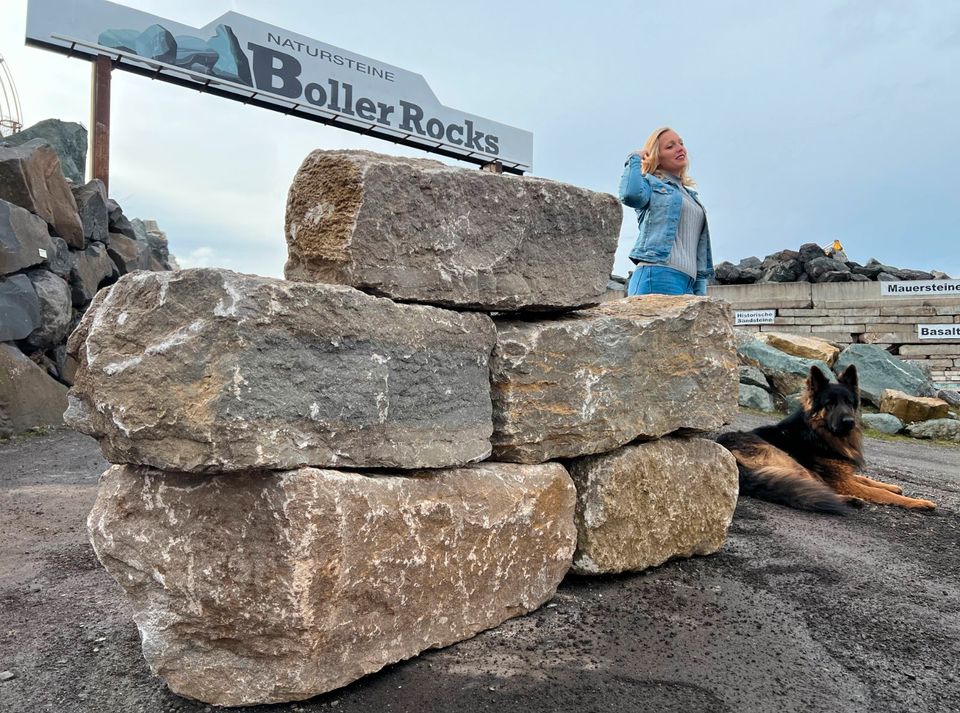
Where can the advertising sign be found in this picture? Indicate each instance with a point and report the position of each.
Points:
(241, 58)
(920, 288)
(754, 316)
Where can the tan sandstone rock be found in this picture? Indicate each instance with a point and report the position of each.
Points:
(642, 504)
(421, 231)
(800, 346)
(912, 408)
(267, 587)
(210, 371)
(596, 379)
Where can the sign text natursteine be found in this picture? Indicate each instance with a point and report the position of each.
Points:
(266, 65)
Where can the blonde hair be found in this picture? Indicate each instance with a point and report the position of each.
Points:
(651, 164)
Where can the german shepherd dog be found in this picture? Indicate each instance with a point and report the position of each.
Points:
(812, 459)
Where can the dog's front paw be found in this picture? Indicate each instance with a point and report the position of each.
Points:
(921, 504)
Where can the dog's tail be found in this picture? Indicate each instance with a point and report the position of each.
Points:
(768, 473)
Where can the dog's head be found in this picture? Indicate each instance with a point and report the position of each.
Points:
(832, 406)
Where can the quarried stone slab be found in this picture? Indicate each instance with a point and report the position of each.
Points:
(643, 504)
(209, 370)
(264, 587)
(421, 231)
(594, 380)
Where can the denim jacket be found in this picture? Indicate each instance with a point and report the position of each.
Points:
(658, 215)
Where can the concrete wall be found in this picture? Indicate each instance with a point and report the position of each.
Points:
(847, 312)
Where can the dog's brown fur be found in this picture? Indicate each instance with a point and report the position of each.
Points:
(813, 458)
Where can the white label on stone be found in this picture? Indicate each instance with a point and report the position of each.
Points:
(927, 288)
(43, 253)
(754, 316)
(938, 331)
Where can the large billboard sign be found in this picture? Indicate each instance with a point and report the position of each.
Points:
(241, 58)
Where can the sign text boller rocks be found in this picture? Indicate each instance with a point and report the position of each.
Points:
(420, 231)
(211, 371)
(241, 58)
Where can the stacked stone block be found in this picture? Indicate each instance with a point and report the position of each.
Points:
(848, 313)
(320, 476)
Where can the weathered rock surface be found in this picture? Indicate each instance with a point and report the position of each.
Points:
(883, 422)
(28, 397)
(787, 374)
(53, 295)
(756, 398)
(209, 370)
(877, 370)
(418, 230)
(19, 308)
(599, 378)
(24, 239)
(944, 429)
(30, 177)
(267, 587)
(67, 138)
(801, 346)
(912, 408)
(752, 376)
(128, 254)
(89, 269)
(642, 504)
(91, 201)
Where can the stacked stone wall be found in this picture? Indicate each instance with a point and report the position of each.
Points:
(848, 313)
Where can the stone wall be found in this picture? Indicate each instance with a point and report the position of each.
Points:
(855, 312)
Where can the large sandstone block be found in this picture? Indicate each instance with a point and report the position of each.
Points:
(801, 346)
(594, 380)
(210, 370)
(30, 177)
(912, 408)
(642, 504)
(267, 587)
(421, 231)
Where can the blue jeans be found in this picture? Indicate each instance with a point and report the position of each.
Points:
(659, 280)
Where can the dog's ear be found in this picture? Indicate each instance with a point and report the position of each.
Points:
(849, 378)
(816, 381)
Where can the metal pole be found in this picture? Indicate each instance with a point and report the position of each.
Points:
(100, 120)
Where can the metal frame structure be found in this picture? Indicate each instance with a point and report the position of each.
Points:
(11, 119)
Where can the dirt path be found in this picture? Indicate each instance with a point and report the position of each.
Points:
(798, 612)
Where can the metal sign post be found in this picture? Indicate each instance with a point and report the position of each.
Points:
(100, 119)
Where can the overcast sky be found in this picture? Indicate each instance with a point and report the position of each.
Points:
(804, 121)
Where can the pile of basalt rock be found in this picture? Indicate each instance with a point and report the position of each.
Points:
(812, 263)
(59, 243)
(411, 439)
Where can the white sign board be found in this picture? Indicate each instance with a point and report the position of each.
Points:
(755, 316)
(938, 331)
(237, 57)
(920, 288)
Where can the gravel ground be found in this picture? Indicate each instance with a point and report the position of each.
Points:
(797, 612)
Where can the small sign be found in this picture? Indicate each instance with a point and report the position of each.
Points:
(43, 253)
(923, 288)
(938, 331)
(754, 316)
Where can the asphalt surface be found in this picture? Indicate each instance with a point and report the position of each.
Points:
(797, 612)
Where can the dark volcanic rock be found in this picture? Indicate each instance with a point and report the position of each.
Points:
(820, 266)
(24, 239)
(53, 295)
(92, 206)
(67, 138)
(19, 306)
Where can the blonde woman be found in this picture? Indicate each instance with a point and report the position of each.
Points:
(672, 252)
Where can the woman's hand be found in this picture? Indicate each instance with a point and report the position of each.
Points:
(641, 154)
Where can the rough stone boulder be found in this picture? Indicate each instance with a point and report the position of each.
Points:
(53, 296)
(19, 308)
(418, 230)
(67, 138)
(912, 408)
(599, 378)
(89, 269)
(128, 254)
(209, 370)
(787, 374)
(752, 376)
(877, 370)
(642, 504)
(268, 587)
(91, 201)
(756, 398)
(944, 429)
(28, 396)
(30, 177)
(883, 422)
(801, 346)
(24, 239)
